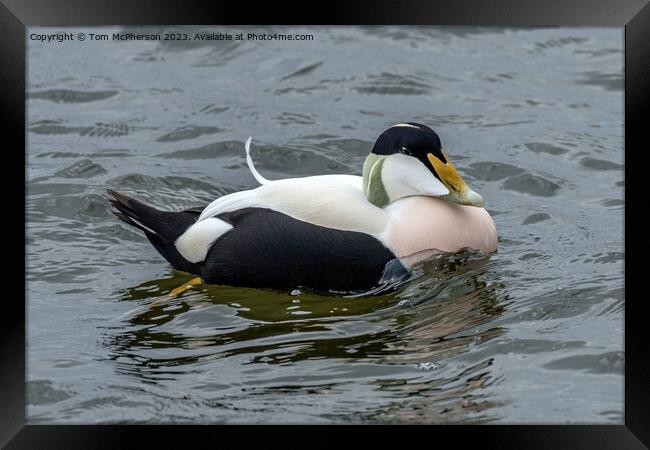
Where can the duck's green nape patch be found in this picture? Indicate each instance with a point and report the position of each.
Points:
(373, 186)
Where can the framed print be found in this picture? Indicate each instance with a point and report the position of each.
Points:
(387, 216)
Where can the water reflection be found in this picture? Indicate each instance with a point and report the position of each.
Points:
(443, 400)
(399, 342)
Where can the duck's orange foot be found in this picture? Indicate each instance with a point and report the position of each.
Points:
(181, 289)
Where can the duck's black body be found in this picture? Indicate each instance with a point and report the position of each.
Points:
(267, 249)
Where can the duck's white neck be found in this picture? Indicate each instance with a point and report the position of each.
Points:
(387, 178)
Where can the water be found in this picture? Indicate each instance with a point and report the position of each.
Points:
(533, 120)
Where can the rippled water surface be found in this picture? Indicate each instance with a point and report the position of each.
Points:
(533, 120)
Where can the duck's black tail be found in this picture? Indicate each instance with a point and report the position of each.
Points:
(162, 228)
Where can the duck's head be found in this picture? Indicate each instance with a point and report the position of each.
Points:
(406, 160)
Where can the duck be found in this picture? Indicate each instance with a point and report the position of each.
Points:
(335, 233)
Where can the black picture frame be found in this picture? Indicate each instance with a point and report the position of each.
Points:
(15, 15)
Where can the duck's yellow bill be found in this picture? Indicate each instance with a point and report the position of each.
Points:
(459, 192)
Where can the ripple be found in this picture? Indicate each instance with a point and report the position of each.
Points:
(154, 182)
(53, 127)
(58, 155)
(221, 53)
(454, 119)
(187, 132)
(561, 42)
(501, 124)
(531, 184)
(491, 171)
(111, 153)
(299, 90)
(169, 192)
(70, 96)
(604, 363)
(208, 151)
(42, 392)
(303, 71)
(85, 168)
(106, 130)
(529, 256)
(601, 52)
(80, 205)
(50, 127)
(390, 84)
(610, 257)
(525, 347)
(540, 147)
(287, 118)
(94, 206)
(213, 109)
(303, 160)
(346, 147)
(535, 218)
(608, 81)
(613, 203)
(600, 164)
(560, 303)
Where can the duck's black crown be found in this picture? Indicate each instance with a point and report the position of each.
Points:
(410, 138)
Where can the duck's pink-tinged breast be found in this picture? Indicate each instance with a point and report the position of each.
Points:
(422, 226)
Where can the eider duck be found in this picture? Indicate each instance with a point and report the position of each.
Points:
(336, 233)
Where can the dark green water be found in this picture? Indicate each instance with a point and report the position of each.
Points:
(533, 120)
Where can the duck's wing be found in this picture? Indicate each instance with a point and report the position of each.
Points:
(332, 201)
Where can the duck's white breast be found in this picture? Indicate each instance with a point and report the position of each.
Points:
(422, 226)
